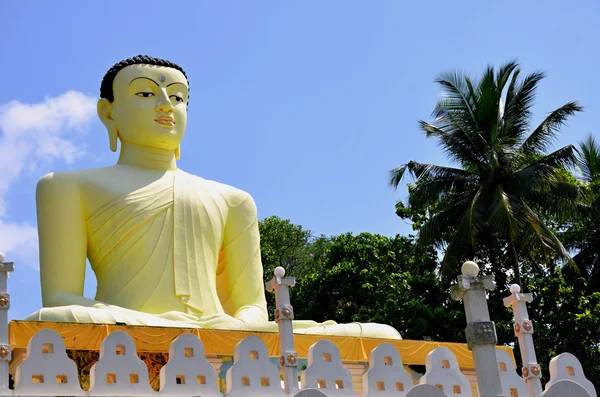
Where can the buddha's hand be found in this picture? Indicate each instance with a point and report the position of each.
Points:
(220, 321)
(179, 317)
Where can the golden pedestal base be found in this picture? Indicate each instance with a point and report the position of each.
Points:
(82, 342)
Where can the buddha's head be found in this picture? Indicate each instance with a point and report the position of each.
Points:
(143, 101)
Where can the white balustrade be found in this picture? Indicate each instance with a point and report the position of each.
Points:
(386, 377)
(119, 371)
(310, 393)
(566, 388)
(188, 372)
(326, 372)
(425, 391)
(566, 366)
(512, 384)
(252, 372)
(442, 371)
(46, 370)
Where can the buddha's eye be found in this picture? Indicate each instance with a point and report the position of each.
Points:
(177, 98)
(145, 94)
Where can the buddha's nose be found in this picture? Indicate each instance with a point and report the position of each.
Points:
(163, 104)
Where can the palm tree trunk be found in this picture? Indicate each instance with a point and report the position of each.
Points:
(515, 261)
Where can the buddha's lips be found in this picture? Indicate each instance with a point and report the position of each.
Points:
(165, 120)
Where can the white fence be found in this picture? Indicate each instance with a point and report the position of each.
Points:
(48, 371)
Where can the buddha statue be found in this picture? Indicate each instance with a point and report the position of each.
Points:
(167, 248)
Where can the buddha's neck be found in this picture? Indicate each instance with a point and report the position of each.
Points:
(147, 157)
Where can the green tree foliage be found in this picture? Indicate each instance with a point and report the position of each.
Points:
(504, 182)
(283, 244)
(583, 235)
(372, 278)
(566, 318)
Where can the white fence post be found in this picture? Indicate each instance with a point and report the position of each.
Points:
(566, 388)
(566, 366)
(480, 331)
(119, 371)
(442, 371)
(252, 372)
(46, 370)
(524, 332)
(188, 372)
(5, 350)
(325, 371)
(284, 314)
(386, 376)
(512, 384)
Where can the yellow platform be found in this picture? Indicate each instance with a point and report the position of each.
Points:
(222, 343)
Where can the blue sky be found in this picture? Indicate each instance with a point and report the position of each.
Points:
(306, 105)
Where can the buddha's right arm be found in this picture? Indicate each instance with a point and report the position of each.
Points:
(63, 241)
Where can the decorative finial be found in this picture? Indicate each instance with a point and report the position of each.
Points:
(279, 272)
(2, 257)
(515, 288)
(470, 269)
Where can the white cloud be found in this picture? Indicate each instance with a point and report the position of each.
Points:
(33, 135)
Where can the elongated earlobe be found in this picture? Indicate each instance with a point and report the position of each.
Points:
(112, 138)
(104, 108)
(178, 152)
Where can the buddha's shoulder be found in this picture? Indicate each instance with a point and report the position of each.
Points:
(73, 179)
(232, 195)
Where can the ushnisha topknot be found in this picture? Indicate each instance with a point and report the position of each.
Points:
(106, 88)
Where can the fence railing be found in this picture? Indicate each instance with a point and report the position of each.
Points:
(48, 371)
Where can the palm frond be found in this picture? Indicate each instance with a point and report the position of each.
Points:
(546, 238)
(589, 159)
(505, 72)
(427, 172)
(501, 214)
(397, 174)
(517, 109)
(433, 188)
(460, 146)
(432, 231)
(456, 248)
(561, 202)
(473, 207)
(512, 87)
(543, 136)
(545, 170)
(456, 90)
(488, 101)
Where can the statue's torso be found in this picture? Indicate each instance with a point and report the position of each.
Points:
(130, 216)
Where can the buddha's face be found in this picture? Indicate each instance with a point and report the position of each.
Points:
(150, 106)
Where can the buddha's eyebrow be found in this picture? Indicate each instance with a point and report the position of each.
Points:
(147, 78)
(177, 82)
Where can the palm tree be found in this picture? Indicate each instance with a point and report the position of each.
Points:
(584, 233)
(504, 182)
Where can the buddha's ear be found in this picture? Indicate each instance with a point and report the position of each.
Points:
(177, 152)
(104, 108)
